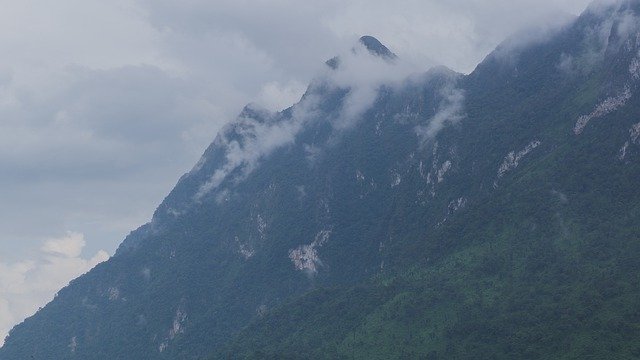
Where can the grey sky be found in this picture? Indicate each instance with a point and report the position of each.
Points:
(104, 104)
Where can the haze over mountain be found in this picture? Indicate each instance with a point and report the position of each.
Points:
(393, 214)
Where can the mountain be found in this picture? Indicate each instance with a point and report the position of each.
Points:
(394, 215)
(376, 48)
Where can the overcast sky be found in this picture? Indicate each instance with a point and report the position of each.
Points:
(105, 104)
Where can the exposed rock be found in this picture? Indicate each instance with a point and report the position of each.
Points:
(606, 107)
(305, 257)
(512, 160)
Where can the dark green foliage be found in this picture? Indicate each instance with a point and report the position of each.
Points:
(542, 287)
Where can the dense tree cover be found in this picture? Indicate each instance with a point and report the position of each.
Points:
(548, 284)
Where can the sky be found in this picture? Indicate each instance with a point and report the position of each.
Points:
(105, 104)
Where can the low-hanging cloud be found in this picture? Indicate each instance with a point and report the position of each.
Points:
(592, 48)
(540, 32)
(275, 96)
(257, 139)
(450, 111)
(362, 74)
(29, 284)
(617, 27)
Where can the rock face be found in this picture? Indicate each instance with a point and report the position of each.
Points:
(375, 47)
(446, 216)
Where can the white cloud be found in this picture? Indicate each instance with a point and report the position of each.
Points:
(450, 111)
(29, 284)
(359, 72)
(68, 246)
(275, 96)
(257, 138)
(363, 74)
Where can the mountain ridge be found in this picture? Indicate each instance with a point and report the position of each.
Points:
(446, 216)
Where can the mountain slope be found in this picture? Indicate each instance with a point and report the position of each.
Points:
(543, 264)
(235, 236)
(446, 216)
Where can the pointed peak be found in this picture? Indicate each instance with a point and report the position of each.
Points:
(375, 47)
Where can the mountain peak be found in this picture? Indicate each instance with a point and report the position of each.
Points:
(375, 47)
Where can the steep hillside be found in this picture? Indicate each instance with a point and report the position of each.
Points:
(394, 215)
(543, 261)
